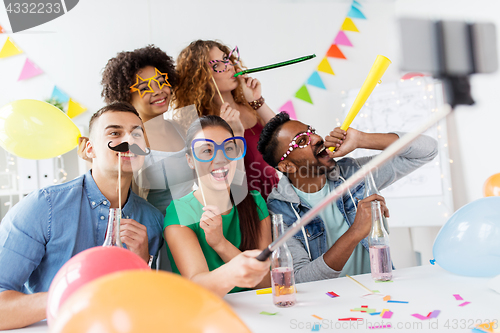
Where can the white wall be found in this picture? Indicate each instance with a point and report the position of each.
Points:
(73, 49)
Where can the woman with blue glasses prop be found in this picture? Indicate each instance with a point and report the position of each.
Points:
(213, 233)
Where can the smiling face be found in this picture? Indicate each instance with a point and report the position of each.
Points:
(313, 158)
(150, 104)
(113, 128)
(225, 80)
(217, 174)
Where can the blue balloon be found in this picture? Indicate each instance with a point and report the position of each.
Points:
(469, 243)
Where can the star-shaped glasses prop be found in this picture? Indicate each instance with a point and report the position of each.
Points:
(156, 78)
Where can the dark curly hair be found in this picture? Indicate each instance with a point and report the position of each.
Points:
(119, 73)
(268, 140)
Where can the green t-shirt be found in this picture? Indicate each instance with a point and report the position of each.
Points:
(187, 211)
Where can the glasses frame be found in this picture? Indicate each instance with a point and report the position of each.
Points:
(220, 147)
(226, 62)
(140, 80)
(293, 144)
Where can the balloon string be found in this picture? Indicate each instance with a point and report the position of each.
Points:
(218, 91)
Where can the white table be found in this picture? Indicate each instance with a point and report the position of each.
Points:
(426, 288)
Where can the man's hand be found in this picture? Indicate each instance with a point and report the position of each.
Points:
(343, 141)
(135, 236)
(363, 220)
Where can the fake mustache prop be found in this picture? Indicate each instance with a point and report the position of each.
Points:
(125, 147)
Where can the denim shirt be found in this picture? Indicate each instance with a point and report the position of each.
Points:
(315, 230)
(49, 226)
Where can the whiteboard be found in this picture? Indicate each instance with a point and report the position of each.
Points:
(424, 197)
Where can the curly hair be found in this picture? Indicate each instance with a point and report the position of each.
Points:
(119, 73)
(268, 140)
(195, 77)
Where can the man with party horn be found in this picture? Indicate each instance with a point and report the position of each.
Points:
(333, 244)
(49, 226)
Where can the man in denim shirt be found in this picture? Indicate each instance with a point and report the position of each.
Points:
(48, 227)
(333, 244)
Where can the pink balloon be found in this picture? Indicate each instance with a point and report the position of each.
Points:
(87, 266)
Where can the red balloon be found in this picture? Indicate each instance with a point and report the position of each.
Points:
(87, 266)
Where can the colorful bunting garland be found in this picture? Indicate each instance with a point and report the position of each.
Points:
(333, 52)
(9, 49)
(30, 69)
(1, 30)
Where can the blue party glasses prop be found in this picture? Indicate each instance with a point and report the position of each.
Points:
(205, 150)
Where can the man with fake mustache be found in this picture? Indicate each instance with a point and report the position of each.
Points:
(333, 244)
(49, 226)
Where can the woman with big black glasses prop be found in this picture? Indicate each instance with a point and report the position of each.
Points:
(206, 79)
(212, 235)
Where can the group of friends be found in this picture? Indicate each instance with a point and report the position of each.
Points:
(207, 187)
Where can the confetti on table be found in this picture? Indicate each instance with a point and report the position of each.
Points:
(484, 328)
(387, 315)
(387, 298)
(317, 317)
(391, 301)
(367, 310)
(458, 297)
(381, 326)
(316, 328)
(268, 313)
(431, 315)
(332, 294)
(434, 314)
(383, 281)
(464, 304)
(375, 313)
(350, 319)
(264, 291)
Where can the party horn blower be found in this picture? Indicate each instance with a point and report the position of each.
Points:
(378, 69)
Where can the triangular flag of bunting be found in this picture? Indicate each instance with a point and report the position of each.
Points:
(9, 49)
(342, 39)
(1, 30)
(349, 25)
(29, 70)
(356, 13)
(59, 95)
(357, 4)
(288, 108)
(75, 109)
(303, 94)
(334, 52)
(324, 66)
(315, 80)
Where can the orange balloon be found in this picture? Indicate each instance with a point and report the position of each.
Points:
(145, 301)
(492, 186)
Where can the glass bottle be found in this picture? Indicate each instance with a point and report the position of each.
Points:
(282, 276)
(371, 188)
(378, 242)
(112, 237)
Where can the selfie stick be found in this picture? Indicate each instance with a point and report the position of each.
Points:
(376, 162)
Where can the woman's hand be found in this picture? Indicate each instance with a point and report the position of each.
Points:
(251, 87)
(246, 271)
(211, 223)
(232, 117)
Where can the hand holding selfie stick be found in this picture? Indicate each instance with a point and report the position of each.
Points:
(376, 162)
(378, 69)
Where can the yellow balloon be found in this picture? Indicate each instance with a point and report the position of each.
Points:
(492, 186)
(145, 301)
(36, 130)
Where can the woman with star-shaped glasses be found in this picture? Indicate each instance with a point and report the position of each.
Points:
(206, 79)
